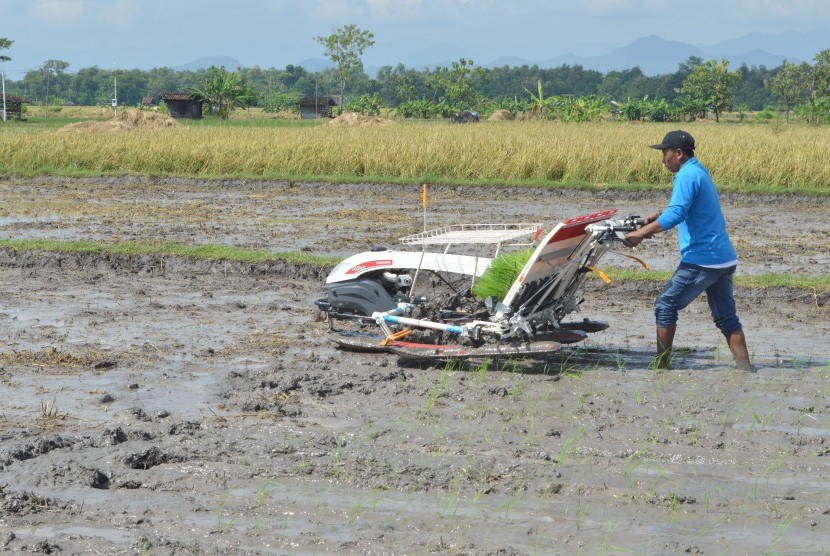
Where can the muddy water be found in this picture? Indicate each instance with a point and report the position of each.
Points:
(170, 406)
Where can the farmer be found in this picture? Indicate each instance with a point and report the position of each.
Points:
(707, 258)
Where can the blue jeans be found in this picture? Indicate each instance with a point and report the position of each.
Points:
(688, 282)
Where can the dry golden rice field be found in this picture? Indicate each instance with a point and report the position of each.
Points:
(741, 157)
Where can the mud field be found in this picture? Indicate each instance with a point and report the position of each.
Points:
(160, 405)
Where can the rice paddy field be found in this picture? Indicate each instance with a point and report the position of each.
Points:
(751, 158)
(167, 385)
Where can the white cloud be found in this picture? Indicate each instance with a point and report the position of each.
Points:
(59, 12)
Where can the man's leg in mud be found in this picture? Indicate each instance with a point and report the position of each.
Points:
(665, 339)
(722, 303)
(740, 354)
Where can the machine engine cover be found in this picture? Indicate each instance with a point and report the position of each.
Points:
(359, 297)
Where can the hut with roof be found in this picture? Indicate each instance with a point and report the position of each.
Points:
(183, 105)
(14, 105)
(318, 106)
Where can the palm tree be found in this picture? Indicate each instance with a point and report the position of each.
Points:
(225, 91)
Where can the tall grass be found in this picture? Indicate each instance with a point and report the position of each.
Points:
(612, 154)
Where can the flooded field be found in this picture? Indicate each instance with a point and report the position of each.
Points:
(164, 405)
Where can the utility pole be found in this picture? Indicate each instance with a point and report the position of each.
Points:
(46, 100)
(3, 74)
(115, 96)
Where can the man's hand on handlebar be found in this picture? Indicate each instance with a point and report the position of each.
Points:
(651, 227)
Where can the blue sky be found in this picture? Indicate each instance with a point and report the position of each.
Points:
(156, 33)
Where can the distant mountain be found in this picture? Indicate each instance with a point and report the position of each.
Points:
(204, 63)
(755, 58)
(792, 45)
(653, 55)
(315, 64)
(510, 61)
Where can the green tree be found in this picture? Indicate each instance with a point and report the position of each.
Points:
(711, 84)
(5, 44)
(815, 111)
(344, 47)
(460, 85)
(751, 89)
(790, 85)
(821, 75)
(632, 83)
(52, 73)
(368, 105)
(91, 86)
(280, 102)
(405, 89)
(224, 91)
(164, 80)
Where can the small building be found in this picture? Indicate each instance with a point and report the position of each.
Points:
(14, 106)
(318, 106)
(183, 105)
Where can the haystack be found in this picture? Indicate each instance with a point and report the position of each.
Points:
(501, 115)
(354, 119)
(146, 118)
(126, 120)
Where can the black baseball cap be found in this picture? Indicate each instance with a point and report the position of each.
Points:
(678, 139)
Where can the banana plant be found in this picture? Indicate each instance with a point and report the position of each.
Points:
(224, 91)
(539, 104)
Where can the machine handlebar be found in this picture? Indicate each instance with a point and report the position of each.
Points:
(616, 227)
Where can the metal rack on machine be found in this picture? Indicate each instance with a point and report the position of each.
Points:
(484, 234)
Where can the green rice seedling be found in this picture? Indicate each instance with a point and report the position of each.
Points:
(783, 527)
(355, 510)
(337, 455)
(567, 444)
(440, 388)
(635, 460)
(619, 360)
(581, 513)
(223, 524)
(775, 465)
(482, 371)
(448, 503)
(508, 505)
(503, 271)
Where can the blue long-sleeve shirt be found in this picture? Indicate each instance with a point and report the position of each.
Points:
(695, 210)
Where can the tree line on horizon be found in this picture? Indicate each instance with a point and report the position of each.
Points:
(697, 87)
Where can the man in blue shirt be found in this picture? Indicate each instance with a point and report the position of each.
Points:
(707, 258)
